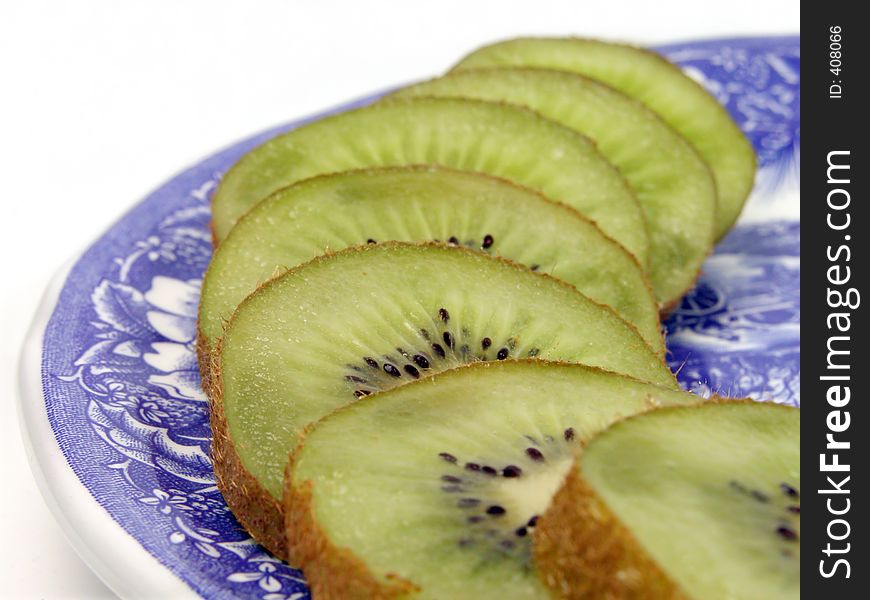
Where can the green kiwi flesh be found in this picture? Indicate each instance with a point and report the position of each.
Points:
(373, 317)
(647, 76)
(501, 140)
(432, 489)
(673, 184)
(422, 203)
(703, 501)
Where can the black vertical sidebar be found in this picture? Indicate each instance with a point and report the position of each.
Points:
(835, 222)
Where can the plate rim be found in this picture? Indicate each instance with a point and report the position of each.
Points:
(85, 523)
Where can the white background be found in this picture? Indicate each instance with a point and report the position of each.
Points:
(102, 100)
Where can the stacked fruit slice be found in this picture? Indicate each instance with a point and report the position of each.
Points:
(449, 509)
(661, 86)
(411, 204)
(402, 297)
(685, 501)
(673, 184)
(698, 502)
(371, 318)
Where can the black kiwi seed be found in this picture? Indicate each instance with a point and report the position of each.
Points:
(487, 241)
(448, 339)
(425, 334)
(391, 370)
(489, 471)
(472, 467)
(535, 267)
(451, 479)
(532, 522)
(533, 352)
(468, 502)
(447, 456)
(794, 509)
(402, 352)
(786, 533)
(534, 454)
(502, 354)
(443, 314)
(371, 362)
(789, 491)
(361, 393)
(371, 241)
(421, 361)
(521, 532)
(438, 350)
(354, 378)
(412, 371)
(495, 510)
(569, 434)
(453, 240)
(485, 343)
(512, 471)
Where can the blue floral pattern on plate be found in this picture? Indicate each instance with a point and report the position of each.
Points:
(120, 380)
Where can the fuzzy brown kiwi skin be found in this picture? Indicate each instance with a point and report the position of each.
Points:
(331, 572)
(254, 507)
(206, 361)
(617, 569)
(584, 552)
(257, 511)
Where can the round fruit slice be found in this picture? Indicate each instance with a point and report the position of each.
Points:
(436, 487)
(374, 317)
(332, 212)
(675, 187)
(662, 86)
(507, 141)
(698, 503)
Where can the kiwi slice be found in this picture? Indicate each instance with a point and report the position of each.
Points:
(422, 203)
(373, 317)
(662, 86)
(698, 503)
(506, 141)
(436, 487)
(674, 185)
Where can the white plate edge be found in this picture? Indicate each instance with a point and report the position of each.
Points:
(115, 556)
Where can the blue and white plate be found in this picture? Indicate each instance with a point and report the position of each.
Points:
(117, 423)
